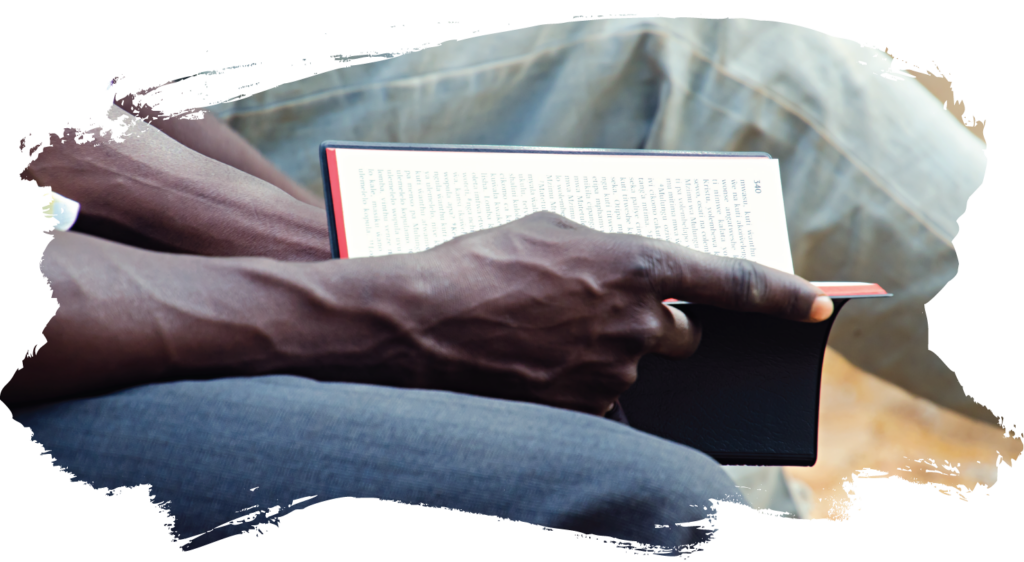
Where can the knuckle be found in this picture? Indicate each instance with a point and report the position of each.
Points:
(643, 335)
(551, 218)
(544, 216)
(640, 262)
(627, 377)
(617, 380)
(749, 284)
(651, 325)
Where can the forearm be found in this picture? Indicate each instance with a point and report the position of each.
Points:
(214, 139)
(539, 309)
(129, 316)
(153, 192)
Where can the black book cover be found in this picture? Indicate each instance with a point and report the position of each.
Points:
(749, 395)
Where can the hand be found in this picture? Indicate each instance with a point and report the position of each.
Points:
(547, 310)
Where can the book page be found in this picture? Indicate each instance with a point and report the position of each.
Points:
(400, 201)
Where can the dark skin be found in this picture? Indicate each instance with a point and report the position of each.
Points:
(212, 138)
(541, 309)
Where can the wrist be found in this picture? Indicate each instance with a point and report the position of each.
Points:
(365, 320)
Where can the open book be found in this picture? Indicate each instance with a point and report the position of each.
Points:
(750, 393)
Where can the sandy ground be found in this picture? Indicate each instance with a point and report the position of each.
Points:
(866, 422)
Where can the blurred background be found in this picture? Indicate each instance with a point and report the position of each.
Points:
(868, 423)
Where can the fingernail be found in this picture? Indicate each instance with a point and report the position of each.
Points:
(821, 309)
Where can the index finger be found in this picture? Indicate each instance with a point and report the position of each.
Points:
(678, 272)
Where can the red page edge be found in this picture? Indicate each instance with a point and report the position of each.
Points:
(870, 289)
(339, 216)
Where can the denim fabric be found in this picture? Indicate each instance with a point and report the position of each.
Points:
(204, 446)
(874, 171)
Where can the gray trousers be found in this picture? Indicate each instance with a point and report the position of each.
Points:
(218, 450)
